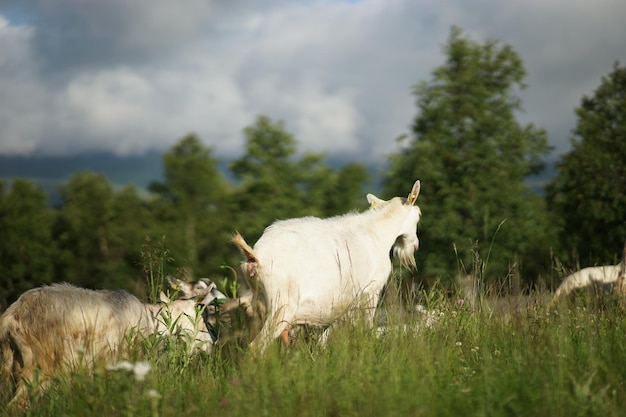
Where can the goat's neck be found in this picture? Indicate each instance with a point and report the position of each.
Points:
(153, 313)
(387, 224)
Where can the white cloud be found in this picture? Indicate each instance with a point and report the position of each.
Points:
(135, 76)
(21, 93)
(566, 47)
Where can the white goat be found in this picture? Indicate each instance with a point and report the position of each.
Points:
(65, 326)
(587, 276)
(312, 271)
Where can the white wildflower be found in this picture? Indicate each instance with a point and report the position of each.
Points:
(141, 369)
(152, 393)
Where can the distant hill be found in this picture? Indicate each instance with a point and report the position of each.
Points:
(49, 172)
(139, 170)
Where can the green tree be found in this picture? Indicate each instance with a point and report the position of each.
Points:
(345, 191)
(275, 184)
(100, 232)
(269, 177)
(473, 156)
(132, 221)
(588, 195)
(27, 249)
(193, 206)
(82, 230)
(331, 191)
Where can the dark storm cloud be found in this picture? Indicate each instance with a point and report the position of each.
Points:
(128, 77)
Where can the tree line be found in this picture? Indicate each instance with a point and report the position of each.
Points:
(473, 157)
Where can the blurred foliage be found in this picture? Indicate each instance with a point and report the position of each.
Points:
(275, 184)
(588, 195)
(192, 206)
(27, 249)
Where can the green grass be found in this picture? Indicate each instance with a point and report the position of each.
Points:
(473, 362)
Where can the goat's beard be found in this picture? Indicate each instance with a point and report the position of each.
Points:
(404, 252)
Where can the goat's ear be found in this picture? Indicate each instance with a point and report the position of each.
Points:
(174, 283)
(373, 200)
(414, 193)
(183, 288)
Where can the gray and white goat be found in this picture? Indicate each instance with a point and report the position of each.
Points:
(63, 326)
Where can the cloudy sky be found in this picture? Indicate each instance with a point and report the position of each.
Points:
(132, 76)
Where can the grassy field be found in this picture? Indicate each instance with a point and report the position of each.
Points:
(492, 359)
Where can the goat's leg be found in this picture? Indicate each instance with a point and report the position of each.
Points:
(27, 388)
(276, 326)
(21, 398)
(268, 332)
(284, 336)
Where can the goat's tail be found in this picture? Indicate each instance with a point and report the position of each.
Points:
(251, 264)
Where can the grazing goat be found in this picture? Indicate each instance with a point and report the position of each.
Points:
(607, 274)
(312, 271)
(65, 326)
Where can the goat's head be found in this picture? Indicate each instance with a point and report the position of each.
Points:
(240, 318)
(407, 242)
(191, 312)
(204, 291)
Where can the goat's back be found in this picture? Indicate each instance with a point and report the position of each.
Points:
(62, 325)
(320, 247)
(320, 266)
(605, 274)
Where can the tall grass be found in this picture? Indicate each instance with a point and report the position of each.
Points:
(155, 256)
(494, 357)
(472, 362)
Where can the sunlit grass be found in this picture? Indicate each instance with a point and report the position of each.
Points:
(490, 361)
(492, 357)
